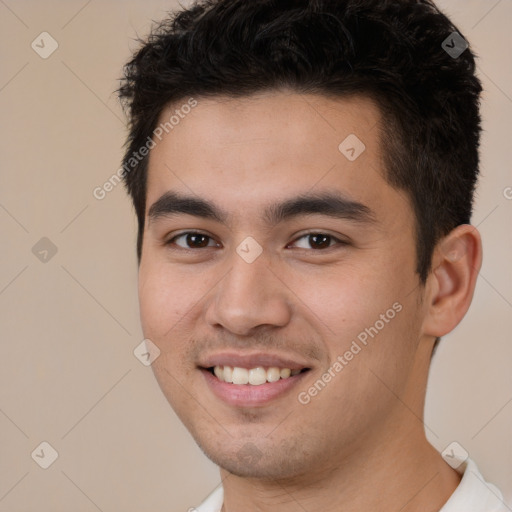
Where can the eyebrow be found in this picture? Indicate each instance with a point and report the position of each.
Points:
(328, 203)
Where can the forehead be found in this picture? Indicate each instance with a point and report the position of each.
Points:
(243, 152)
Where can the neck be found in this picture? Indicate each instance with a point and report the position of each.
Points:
(404, 476)
(392, 469)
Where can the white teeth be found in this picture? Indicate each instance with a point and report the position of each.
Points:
(240, 375)
(285, 373)
(228, 374)
(273, 374)
(257, 376)
(254, 376)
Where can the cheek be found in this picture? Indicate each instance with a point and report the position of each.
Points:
(164, 310)
(164, 300)
(348, 299)
(365, 313)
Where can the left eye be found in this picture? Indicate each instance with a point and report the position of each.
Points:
(318, 240)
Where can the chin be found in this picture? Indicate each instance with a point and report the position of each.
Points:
(254, 460)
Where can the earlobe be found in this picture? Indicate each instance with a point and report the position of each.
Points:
(455, 265)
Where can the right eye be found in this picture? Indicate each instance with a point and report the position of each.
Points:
(191, 240)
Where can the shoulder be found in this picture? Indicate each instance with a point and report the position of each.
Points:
(213, 503)
(474, 494)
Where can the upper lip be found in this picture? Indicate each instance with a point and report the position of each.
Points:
(253, 360)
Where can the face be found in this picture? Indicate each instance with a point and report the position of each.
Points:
(276, 252)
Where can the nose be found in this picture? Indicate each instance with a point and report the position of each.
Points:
(250, 296)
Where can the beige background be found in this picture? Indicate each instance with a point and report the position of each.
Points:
(69, 326)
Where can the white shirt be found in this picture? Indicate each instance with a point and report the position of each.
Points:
(473, 494)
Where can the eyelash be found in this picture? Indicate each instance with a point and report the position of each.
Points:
(171, 241)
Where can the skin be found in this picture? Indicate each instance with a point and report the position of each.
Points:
(360, 442)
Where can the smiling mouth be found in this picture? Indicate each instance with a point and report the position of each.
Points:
(253, 376)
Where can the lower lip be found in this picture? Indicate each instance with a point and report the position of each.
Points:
(247, 395)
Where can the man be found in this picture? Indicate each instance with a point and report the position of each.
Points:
(303, 175)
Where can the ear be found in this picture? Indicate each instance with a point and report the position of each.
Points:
(456, 262)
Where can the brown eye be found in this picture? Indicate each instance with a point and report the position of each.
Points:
(317, 241)
(191, 240)
(194, 240)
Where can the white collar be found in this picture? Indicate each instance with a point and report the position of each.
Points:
(473, 494)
